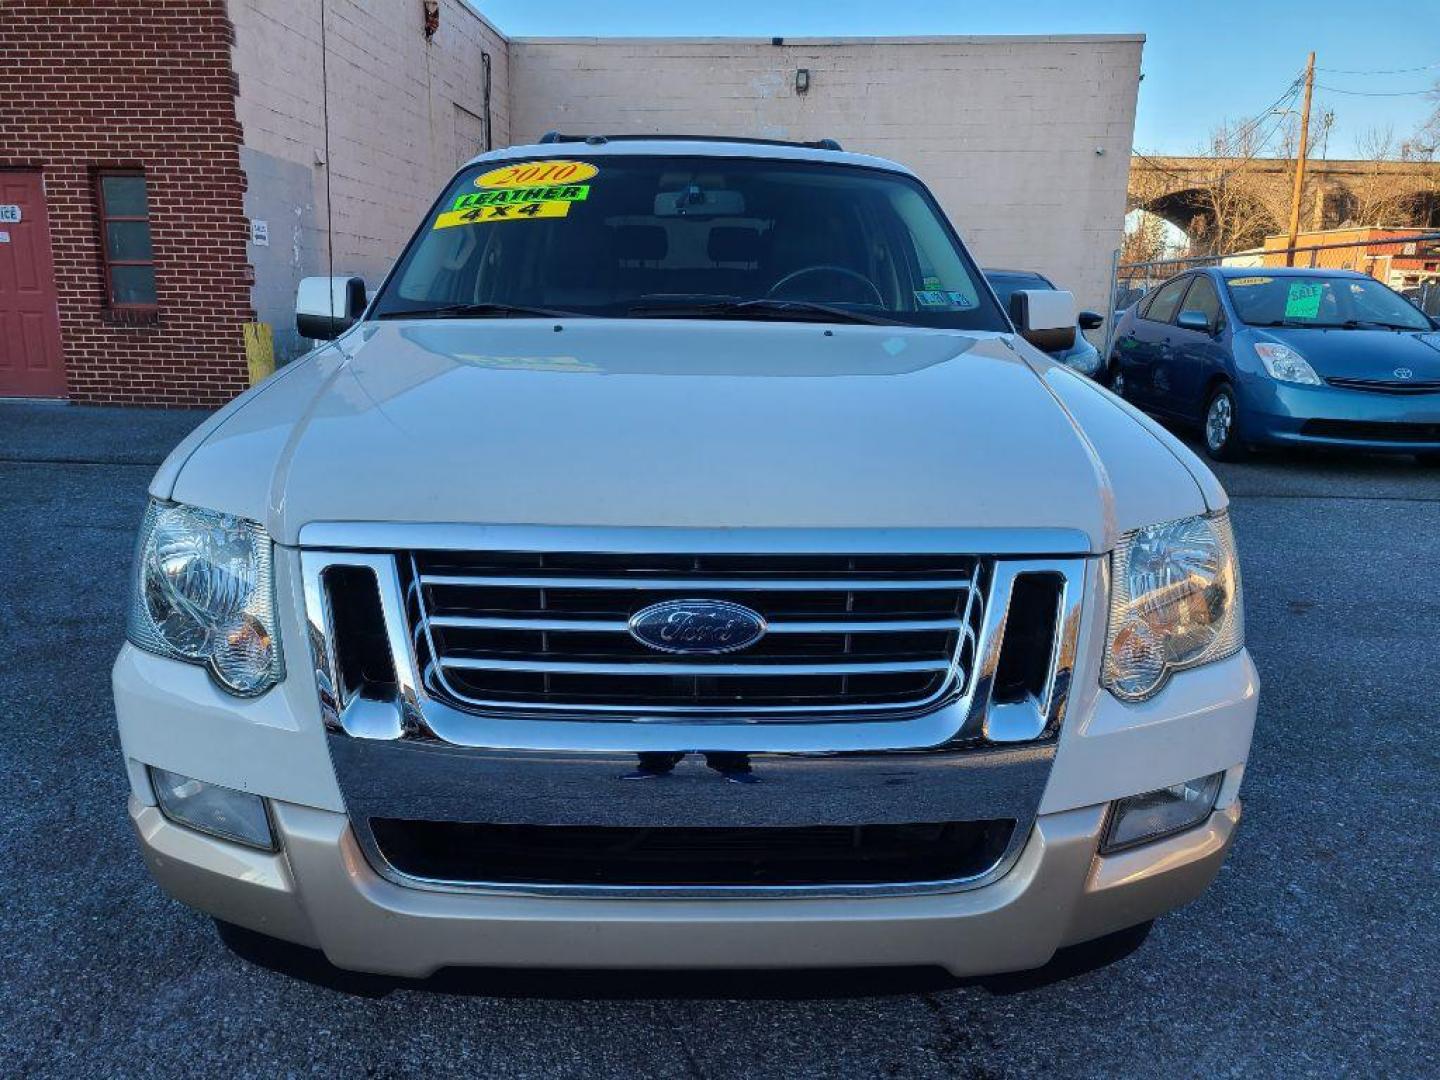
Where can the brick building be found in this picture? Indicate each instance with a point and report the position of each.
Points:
(120, 146)
(176, 166)
(1394, 256)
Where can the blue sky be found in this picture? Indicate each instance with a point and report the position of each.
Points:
(1204, 62)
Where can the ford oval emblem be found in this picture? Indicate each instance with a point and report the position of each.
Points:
(697, 626)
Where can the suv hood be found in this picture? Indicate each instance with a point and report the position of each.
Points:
(685, 424)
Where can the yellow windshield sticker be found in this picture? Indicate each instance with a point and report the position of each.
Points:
(1303, 300)
(536, 173)
(483, 215)
(1242, 281)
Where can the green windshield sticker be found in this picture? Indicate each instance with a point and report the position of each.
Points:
(514, 196)
(1303, 300)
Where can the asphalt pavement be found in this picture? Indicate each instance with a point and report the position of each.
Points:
(1317, 952)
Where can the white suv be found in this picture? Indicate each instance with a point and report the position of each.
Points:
(684, 562)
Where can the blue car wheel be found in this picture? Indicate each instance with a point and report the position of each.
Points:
(1224, 440)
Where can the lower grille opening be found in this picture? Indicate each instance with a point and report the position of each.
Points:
(1372, 430)
(454, 851)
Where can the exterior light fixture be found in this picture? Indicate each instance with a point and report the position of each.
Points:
(802, 80)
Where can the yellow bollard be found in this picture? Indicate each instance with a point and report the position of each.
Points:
(259, 351)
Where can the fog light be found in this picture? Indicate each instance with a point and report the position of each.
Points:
(1142, 818)
(209, 808)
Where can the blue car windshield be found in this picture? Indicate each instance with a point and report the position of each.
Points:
(646, 236)
(1319, 300)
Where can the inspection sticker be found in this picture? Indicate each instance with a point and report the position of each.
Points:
(1303, 300)
(533, 173)
(948, 299)
(483, 215)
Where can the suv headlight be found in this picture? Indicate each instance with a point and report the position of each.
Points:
(204, 594)
(1285, 364)
(1174, 603)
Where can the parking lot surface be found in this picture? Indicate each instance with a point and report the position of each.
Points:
(1317, 952)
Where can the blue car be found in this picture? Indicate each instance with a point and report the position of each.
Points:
(1284, 357)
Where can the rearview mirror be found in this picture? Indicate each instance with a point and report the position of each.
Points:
(1045, 318)
(1091, 320)
(1194, 320)
(695, 201)
(325, 307)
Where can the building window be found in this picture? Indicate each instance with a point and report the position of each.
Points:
(125, 241)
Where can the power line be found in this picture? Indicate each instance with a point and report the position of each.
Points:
(1225, 147)
(1377, 93)
(1380, 71)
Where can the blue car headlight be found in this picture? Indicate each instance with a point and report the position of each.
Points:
(1285, 364)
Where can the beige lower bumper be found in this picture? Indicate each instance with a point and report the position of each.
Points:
(321, 892)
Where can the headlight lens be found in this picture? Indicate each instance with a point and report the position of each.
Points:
(204, 594)
(1175, 603)
(1285, 364)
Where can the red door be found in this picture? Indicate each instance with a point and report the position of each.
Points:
(31, 364)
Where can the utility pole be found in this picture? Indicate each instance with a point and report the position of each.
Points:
(1303, 149)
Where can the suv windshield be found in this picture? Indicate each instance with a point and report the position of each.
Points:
(1321, 301)
(689, 237)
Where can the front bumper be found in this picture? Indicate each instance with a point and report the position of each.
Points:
(1278, 414)
(322, 893)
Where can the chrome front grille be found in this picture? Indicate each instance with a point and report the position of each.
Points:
(550, 631)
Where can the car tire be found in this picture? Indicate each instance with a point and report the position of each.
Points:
(1223, 438)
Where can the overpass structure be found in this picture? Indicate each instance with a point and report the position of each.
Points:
(1229, 203)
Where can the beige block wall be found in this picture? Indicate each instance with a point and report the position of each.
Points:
(403, 112)
(1004, 129)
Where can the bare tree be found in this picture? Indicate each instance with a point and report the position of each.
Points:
(1376, 143)
(1234, 205)
(1428, 134)
(1146, 241)
(1373, 196)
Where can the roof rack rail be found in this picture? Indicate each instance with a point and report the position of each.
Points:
(599, 140)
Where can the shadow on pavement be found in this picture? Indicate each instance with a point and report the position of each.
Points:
(311, 966)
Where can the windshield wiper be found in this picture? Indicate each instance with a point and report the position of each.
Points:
(481, 311)
(1357, 324)
(1348, 324)
(763, 307)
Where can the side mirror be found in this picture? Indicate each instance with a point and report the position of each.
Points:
(1197, 321)
(325, 307)
(1091, 320)
(1045, 318)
